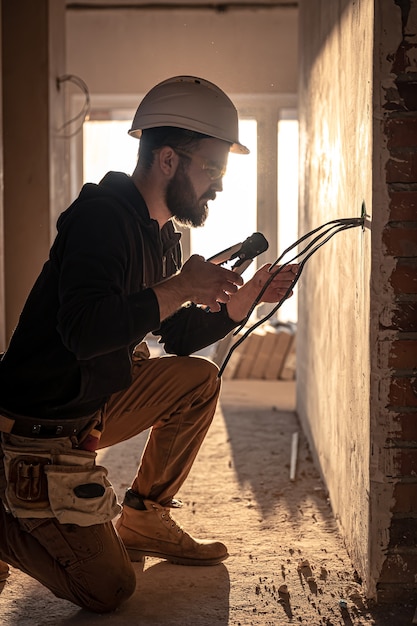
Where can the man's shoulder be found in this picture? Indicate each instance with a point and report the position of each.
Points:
(114, 197)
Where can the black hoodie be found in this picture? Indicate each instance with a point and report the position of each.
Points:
(93, 302)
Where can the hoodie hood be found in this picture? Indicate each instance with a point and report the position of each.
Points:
(115, 185)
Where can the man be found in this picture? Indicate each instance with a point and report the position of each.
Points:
(76, 376)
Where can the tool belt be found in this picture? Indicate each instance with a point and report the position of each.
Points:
(56, 481)
(42, 428)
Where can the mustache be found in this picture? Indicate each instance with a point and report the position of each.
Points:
(209, 196)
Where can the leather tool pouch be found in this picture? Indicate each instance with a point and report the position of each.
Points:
(63, 484)
(27, 487)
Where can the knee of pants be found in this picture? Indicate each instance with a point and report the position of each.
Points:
(201, 370)
(114, 586)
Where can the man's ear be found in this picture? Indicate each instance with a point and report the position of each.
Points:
(168, 161)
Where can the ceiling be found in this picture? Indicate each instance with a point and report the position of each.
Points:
(175, 4)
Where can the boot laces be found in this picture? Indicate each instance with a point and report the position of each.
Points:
(166, 516)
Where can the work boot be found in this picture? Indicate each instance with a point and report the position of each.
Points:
(151, 531)
(4, 571)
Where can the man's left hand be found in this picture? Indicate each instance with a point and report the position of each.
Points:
(241, 301)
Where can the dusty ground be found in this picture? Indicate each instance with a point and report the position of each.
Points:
(278, 533)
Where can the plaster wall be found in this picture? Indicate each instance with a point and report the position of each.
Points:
(128, 51)
(333, 350)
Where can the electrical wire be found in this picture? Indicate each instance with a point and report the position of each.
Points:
(85, 109)
(335, 226)
(349, 222)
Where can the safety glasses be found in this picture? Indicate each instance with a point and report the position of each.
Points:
(214, 172)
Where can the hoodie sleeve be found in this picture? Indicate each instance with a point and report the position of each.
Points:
(191, 328)
(97, 312)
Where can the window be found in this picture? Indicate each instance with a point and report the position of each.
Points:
(107, 146)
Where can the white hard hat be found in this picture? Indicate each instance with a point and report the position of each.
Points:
(193, 104)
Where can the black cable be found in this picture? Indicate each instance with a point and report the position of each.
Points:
(86, 107)
(336, 226)
(345, 221)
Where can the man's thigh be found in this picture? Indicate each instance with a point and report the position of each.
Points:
(159, 387)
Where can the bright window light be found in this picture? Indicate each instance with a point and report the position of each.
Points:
(232, 216)
(107, 146)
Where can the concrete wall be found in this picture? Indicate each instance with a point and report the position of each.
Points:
(357, 335)
(333, 349)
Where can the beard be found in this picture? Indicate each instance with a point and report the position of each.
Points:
(182, 200)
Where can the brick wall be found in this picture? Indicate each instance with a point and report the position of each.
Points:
(398, 328)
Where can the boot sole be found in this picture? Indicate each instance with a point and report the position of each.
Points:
(138, 555)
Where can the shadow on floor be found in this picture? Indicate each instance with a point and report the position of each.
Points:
(264, 465)
(166, 595)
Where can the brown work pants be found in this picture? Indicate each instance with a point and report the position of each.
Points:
(89, 566)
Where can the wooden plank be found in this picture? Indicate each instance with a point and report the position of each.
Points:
(264, 354)
(281, 347)
(288, 371)
(247, 352)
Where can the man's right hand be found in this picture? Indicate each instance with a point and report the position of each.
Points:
(199, 281)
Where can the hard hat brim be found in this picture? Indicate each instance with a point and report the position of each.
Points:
(235, 147)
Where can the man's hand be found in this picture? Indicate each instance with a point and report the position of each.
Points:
(240, 303)
(199, 281)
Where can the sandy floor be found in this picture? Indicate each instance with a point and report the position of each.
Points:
(287, 561)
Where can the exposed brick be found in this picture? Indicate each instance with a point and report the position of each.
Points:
(403, 205)
(403, 58)
(399, 316)
(405, 462)
(405, 80)
(403, 354)
(404, 427)
(402, 168)
(400, 241)
(408, 93)
(405, 496)
(403, 532)
(404, 277)
(399, 568)
(401, 133)
(403, 391)
(404, 317)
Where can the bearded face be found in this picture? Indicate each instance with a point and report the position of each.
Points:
(182, 201)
